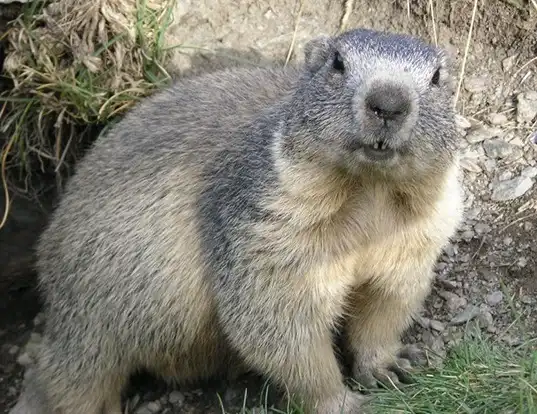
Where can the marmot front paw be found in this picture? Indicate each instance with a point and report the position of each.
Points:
(395, 371)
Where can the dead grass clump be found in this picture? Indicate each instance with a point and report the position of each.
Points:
(75, 64)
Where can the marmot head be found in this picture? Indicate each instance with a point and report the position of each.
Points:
(373, 101)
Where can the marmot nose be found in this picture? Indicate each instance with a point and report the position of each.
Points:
(388, 102)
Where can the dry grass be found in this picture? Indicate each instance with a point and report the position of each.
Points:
(76, 65)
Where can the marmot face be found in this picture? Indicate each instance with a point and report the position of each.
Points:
(377, 102)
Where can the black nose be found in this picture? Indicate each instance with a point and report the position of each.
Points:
(388, 102)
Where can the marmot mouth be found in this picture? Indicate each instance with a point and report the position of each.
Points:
(380, 150)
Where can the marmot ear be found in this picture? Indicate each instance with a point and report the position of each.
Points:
(316, 52)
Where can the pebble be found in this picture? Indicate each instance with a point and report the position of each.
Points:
(24, 359)
(176, 398)
(494, 298)
(437, 325)
(13, 350)
(475, 84)
(509, 62)
(469, 164)
(39, 319)
(481, 134)
(497, 148)
(506, 175)
(462, 122)
(482, 228)
(453, 301)
(526, 106)
(511, 189)
(497, 119)
(469, 313)
(149, 408)
(530, 172)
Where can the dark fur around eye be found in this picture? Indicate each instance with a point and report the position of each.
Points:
(436, 78)
(337, 64)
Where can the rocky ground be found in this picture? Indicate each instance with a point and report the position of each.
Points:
(487, 277)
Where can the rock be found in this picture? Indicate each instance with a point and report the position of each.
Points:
(509, 62)
(453, 301)
(482, 228)
(481, 134)
(13, 350)
(527, 226)
(467, 235)
(497, 119)
(526, 106)
(522, 262)
(533, 138)
(494, 298)
(530, 172)
(25, 359)
(497, 148)
(469, 313)
(506, 175)
(437, 325)
(476, 84)
(469, 164)
(149, 408)
(511, 189)
(462, 122)
(176, 398)
(39, 319)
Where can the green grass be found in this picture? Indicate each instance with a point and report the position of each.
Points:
(58, 102)
(478, 376)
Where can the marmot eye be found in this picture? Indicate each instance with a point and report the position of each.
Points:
(337, 64)
(436, 78)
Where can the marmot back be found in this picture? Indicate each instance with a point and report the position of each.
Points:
(236, 218)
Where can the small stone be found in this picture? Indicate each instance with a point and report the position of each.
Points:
(530, 172)
(451, 249)
(522, 262)
(437, 325)
(13, 350)
(462, 122)
(25, 359)
(494, 298)
(533, 138)
(526, 299)
(476, 84)
(176, 398)
(481, 134)
(482, 228)
(497, 148)
(448, 284)
(149, 408)
(469, 164)
(497, 119)
(509, 62)
(506, 175)
(39, 319)
(469, 313)
(511, 189)
(467, 235)
(526, 106)
(508, 241)
(453, 301)
(489, 165)
(527, 226)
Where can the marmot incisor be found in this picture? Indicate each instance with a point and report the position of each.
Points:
(242, 215)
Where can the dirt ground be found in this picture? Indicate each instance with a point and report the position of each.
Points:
(487, 276)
